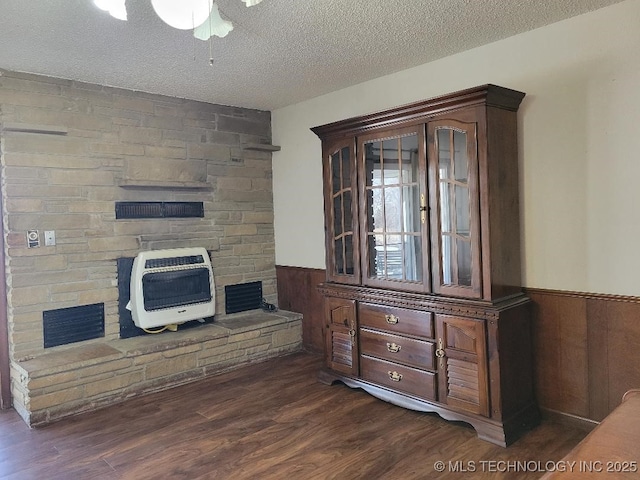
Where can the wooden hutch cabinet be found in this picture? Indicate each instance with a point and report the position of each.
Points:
(423, 302)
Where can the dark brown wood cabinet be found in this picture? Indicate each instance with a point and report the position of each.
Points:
(423, 302)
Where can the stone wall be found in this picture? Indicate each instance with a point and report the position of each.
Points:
(70, 150)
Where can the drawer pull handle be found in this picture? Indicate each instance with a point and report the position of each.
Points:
(395, 376)
(391, 319)
(393, 348)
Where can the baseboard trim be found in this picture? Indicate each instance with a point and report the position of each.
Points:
(585, 424)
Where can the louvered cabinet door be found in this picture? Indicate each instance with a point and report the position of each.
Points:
(341, 342)
(462, 364)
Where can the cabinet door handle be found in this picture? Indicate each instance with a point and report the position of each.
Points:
(352, 334)
(391, 319)
(394, 376)
(393, 348)
(440, 352)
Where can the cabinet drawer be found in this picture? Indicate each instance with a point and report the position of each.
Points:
(399, 377)
(396, 348)
(396, 320)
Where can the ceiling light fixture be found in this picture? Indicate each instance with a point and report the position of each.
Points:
(183, 15)
(201, 16)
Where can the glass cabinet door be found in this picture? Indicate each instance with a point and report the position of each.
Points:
(394, 210)
(453, 166)
(343, 259)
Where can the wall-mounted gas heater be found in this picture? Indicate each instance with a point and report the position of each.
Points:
(171, 287)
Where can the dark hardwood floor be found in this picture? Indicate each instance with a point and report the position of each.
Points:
(267, 421)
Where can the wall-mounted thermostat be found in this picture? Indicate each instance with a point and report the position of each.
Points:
(33, 239)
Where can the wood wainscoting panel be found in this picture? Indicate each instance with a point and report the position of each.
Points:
(598, 367)
(586, 351)
(297, 292)
(615, 349)
(560, 352)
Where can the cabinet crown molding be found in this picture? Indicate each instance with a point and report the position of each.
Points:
(489, 95)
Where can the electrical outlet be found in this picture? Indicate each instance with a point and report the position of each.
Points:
(49, 238)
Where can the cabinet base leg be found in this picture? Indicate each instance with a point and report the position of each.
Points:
(494, 431)
(510, 430)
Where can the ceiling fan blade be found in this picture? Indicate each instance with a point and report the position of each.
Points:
(214, 25)
(116, 8)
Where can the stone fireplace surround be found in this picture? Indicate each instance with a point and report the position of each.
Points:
(84, 378)
(68, 152)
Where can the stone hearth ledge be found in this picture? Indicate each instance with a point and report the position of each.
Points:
(90, 376)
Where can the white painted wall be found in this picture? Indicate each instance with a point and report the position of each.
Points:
(579, 147)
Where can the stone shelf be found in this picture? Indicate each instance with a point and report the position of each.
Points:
(34, 128)
(261, 147)
(153, 185)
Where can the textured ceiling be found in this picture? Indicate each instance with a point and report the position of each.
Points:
(281, 51)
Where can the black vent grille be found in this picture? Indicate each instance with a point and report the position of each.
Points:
(126, 210)
(173, 261)
(73, 324)
(242, 296)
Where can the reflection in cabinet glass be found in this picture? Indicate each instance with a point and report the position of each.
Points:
(342, 218)
(454, 206)
(457, 245)
(393, 221)
(340, 207)
(393, 230)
